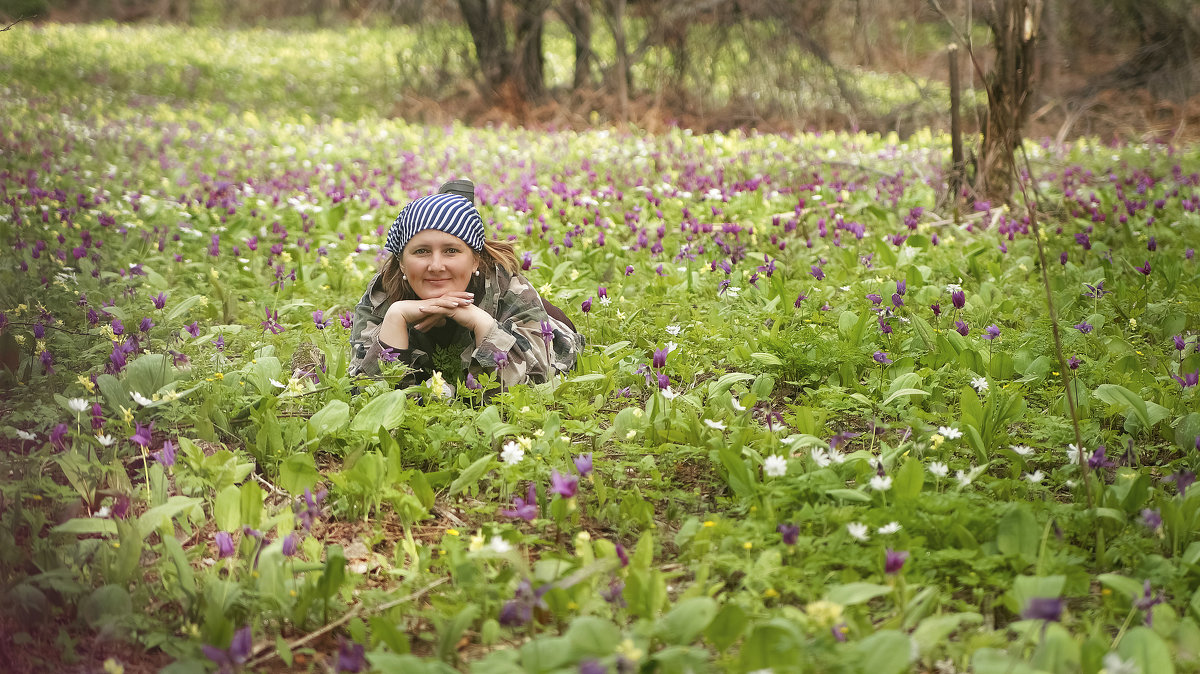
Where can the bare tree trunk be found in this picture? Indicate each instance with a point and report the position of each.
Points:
(529, 64)
(1009, 89)
(485, 20)
(577, 14)
(616, 22)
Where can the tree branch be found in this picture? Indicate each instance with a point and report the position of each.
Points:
(9, 26)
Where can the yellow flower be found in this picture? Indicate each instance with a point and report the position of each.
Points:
(545, 289)
(1133, 323)
(452, 532)
(87, 383)
(937, 439)
(476, 543)
(526, 443)
(219, 375)
(747, 545)
(710, 523)
(630, 650)
(770, 593)
(126, 414)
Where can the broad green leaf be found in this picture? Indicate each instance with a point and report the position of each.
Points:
(1187, 429)
(726, 382)
(844, 494)
(933, 631)
(1025, 588)
(106, 604)
(227, 509)
(1126, 588)
(386, 410)
(593, 636)
(726, 627)
(909, 480)
(1146, 649)
(687, 620)
(768, 359)
(1122, 398)
(329, 419)
(471, 474)
(996, 661)
(1018, 534)
(86, 525)
(904, 392)
(545, 654)
(856, 593)
(885, 652)
(298, 472)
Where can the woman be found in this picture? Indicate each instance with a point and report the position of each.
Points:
(446, 299)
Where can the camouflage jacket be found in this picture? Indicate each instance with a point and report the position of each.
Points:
(519, 314)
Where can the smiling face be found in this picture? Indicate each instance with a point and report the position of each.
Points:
(437, 263)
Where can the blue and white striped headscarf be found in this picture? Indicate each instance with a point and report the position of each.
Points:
(449, 213)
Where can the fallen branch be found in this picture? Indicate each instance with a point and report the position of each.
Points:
(9, 26)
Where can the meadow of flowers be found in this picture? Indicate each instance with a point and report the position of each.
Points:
(821, 423)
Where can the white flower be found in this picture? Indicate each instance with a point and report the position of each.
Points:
(139, 398)
(836, 456)
(1074, 455)
(499, 545)
(737, 405)
(105, 439)
(732, 291)
(857, 530)
(775, 466)
(965, 478)
(277, 384)
(605, 301)
(881, 482)
(939, 469)
(671, 346)
(77, 404)
(1021, 450)
(953, 287)
(980, 384)
(1113, 664)
(669, 394)
(821, 457)
(715, 425)
(103, 512)
(26, 435)
(889, 528)
(673, 330)
(512, 453)
(1035, 477)
(950, 432)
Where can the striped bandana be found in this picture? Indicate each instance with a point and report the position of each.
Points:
(449, 213)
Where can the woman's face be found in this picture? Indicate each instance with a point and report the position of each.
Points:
(437, 263)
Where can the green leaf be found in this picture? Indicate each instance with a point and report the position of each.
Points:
(726, 627)
(81, 526)
(593, 636)
(227, 508)
(470, 476)
(904, 392)
(996, 661)
(545, 654)
(768, 359)
(180, 308)
(856, 593)
(1126, 588)
(687, 620)
(330, 419)
(1187, 429)
(157, 516)
(934, 630)
(1025, 588)
(1018, 534)
(105, 605)
(298, 472)
(1122, 398)
(726, 382)
(909, 480)
(885, 652)
(386, 410)
(852, 495)
(1145, 648)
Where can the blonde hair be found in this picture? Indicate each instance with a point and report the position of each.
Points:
(494, 253)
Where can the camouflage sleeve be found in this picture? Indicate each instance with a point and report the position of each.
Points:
(364, 336)
(518, 333)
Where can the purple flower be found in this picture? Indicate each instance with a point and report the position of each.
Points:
(1147, 601)
(660, 359)
(583, 464)
(219, 342)
(789, 532)
(602, 292)
(884, 326)
(992, 332)
(120, 507)
(472, 382)
(1084, 327)
(799, 298)
(936, 309)
(1189, 379)
(347, 319)
(875, 298)
(894, 560)
(501, 358)
(236, 655)
(526, 261)
(166, 456)
(592, 667)
(628, 270)
(1096, 291)
(1151, 519)
(563, 485)
(1180, 345)
(308, 508)
(1074, 362)
(141, 435)
(1152, 245)
(1099, 459)
(839, 630)
(901, 287)
(881, 358)
(615, 594)
(159, 301)
(519, 610)
(587, 305)
(272, 321)
(1043, 608)
(962, 328)
(118, 327)
(224, 544)
(318, 317)
(193, 329)
(1145, 269)
(291, 544)
(958, 298)
(664, 382)
(621, 554)
(547, 334)
(524, 508)
(897, 301)
(58, 437)
(351, 657)
(146, 324)
(817, 273)
(1184, 478)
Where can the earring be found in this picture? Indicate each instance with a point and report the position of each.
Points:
(404, 276)
(477, 272)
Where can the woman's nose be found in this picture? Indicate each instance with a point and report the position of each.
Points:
(436, 262)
